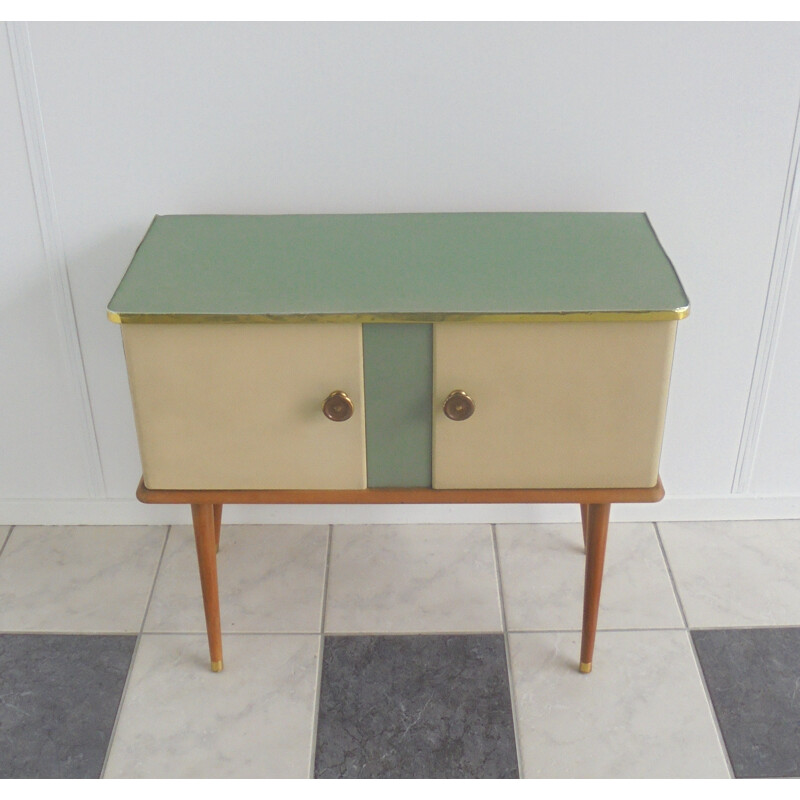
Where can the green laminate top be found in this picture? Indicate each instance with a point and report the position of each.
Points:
(399, 267)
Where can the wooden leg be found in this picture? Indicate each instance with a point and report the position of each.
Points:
(203, 517)
(217, 522)
(596, 533)
(585, 522)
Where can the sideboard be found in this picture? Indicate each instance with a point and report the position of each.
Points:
(400, 358)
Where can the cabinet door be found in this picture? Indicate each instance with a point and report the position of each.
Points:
(571, 405)
(239, 406)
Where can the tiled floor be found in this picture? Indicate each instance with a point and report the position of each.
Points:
(401, 651)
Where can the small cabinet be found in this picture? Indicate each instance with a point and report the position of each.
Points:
(478, 353)
(559, 327)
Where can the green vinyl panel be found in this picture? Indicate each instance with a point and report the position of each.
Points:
(398, 387)
(398, 267)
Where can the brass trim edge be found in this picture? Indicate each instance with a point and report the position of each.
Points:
(421, 316)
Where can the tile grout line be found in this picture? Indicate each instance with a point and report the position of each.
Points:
(5, 541)
(346, 634)
(697, 663)
(750, 627)
(511, 687)
(717, 727)
(199, 632)
(432, 632)
(135, 651)
(672, 580)
(318, 689)
(599, 630)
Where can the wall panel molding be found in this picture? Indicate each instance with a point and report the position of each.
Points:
(780, 272)
(55, 257)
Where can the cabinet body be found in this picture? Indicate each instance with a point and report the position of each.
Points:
(559, 327)
(239, 406)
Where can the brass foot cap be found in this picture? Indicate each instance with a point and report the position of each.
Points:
(216, 666)
(586, 667)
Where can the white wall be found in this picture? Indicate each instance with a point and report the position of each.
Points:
(693, 123)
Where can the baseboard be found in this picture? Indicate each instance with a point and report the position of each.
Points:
(126, 511)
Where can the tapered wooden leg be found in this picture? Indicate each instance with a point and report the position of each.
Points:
(584, 521)
(217, 522)
(596, 534)
(203, 517)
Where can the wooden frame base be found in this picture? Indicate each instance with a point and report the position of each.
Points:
(207, 517)
(650, 494)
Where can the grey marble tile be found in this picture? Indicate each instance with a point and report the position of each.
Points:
(412, 579)
(271, 580)
(641, 713)
(4, 530)
(415, 707)
(78, 579)
(58, 700)
(735, 574)
(542, 571)
(753, 677)
(255, 719)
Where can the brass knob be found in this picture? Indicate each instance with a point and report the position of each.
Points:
(459, 406)
(338, 406)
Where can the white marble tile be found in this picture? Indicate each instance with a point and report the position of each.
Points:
(255, 719)
(542, 576)
(78, 579)
(412, 579)
(271, 580)
(735, 573)
(641, 713)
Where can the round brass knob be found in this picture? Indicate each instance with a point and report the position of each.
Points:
(459, 406)
(338, 406)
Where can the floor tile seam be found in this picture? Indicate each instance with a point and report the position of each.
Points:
(325, 581)
(448, 632)
(506, 645)
(757, 626)
(714, 717)
(696, 657)
(665, 629)
(320, 653)
(435, 632)
(62, 632)
(133, 654)
(232, 633)
(671, 575)
(7, 537)
(724, 521)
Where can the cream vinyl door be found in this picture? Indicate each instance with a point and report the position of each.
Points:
(239, 406)
(561, 404)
